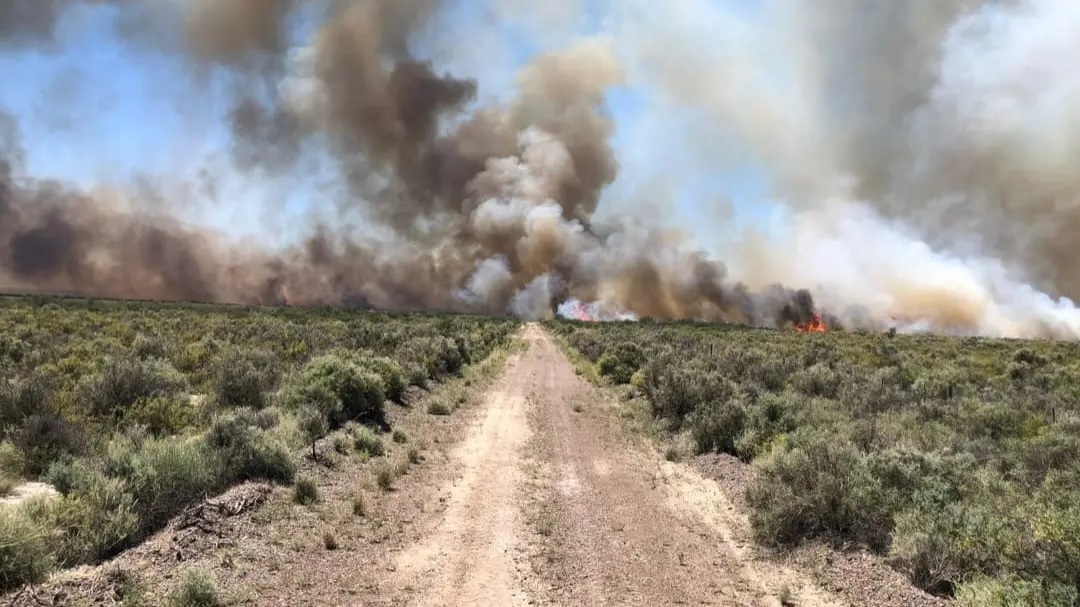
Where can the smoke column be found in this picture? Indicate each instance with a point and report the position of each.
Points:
(919, 156)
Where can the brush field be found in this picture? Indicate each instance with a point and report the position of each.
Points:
(956, 459)
(134, 411)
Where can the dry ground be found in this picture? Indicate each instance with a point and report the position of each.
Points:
(537, 495)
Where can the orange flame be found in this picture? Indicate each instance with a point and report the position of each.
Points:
(580, 312)
(816, 325)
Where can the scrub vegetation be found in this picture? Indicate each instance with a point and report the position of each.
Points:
(958, 459)
(134, 411)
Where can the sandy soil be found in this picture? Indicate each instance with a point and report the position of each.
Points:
(556, 505)
(25, 491)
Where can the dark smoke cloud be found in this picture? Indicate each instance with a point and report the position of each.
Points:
(489, 208)
(26, 21)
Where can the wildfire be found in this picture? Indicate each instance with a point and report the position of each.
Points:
(581, 313)
(815, 325)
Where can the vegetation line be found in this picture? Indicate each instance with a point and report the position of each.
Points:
(957, 459)
(135, 411)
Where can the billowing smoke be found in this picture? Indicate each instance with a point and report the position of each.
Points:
(922, 154)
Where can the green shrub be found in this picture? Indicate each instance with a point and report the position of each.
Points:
(341, 444)
(164, 475)
(44, 439)
(439, 356)
(817, 487)
(7, 484)
(197, 589)
(161, 415)
(439, 407)
(123, 382)
(772, 415)
(267, 419)
(717, 426)
(1012, 591)
(400, 437)
(305, 491)
(247, 452)
(25, 555)
(22, 399)
(238, 383)
(314, 426)
(69, 475)
(12, 460)
(368, 441)
(146, 347)
(92, 522)
(384, 476)
(393, 376)
(818, 380)
(353, 392)
(620, 362)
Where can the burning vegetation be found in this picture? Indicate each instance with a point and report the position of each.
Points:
(434, 194)
(814, 325)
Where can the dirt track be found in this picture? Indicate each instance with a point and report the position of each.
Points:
(555, 504)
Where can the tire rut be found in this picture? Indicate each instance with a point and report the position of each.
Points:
(557, 505)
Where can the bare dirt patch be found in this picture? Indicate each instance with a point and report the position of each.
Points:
(25, 491)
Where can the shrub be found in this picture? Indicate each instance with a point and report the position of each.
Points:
(44, 439)
(358, 507)
(619, 363)
(341, 444)
(164, 475)
(587, 344)
(69, 475)
(439, 407)
(818, 380)
(439, 356)
(329, 541)
(123, 382)
(238, 383)
(147, 347)
(771, 415)
(400, 437)
(267, 419)
(676, 391)
(23, 399)
(416, 375)
(247, 452)
(314, 426)
(1013, 590)
(384, 476)
(305, 491)
(367, 441)
(393, 376)
(161, 415)
(817, 487)
(197, 589)
(92, 522)
(7, 484)
(356, 393)
(25, 557)
(717, 426)
(12, 460)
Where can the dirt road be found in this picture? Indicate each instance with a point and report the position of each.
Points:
(555, 504)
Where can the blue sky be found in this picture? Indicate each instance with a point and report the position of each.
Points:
(120, 110)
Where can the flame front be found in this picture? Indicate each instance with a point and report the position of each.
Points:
(815, 325)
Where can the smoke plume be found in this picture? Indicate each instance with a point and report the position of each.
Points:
(920, 154)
